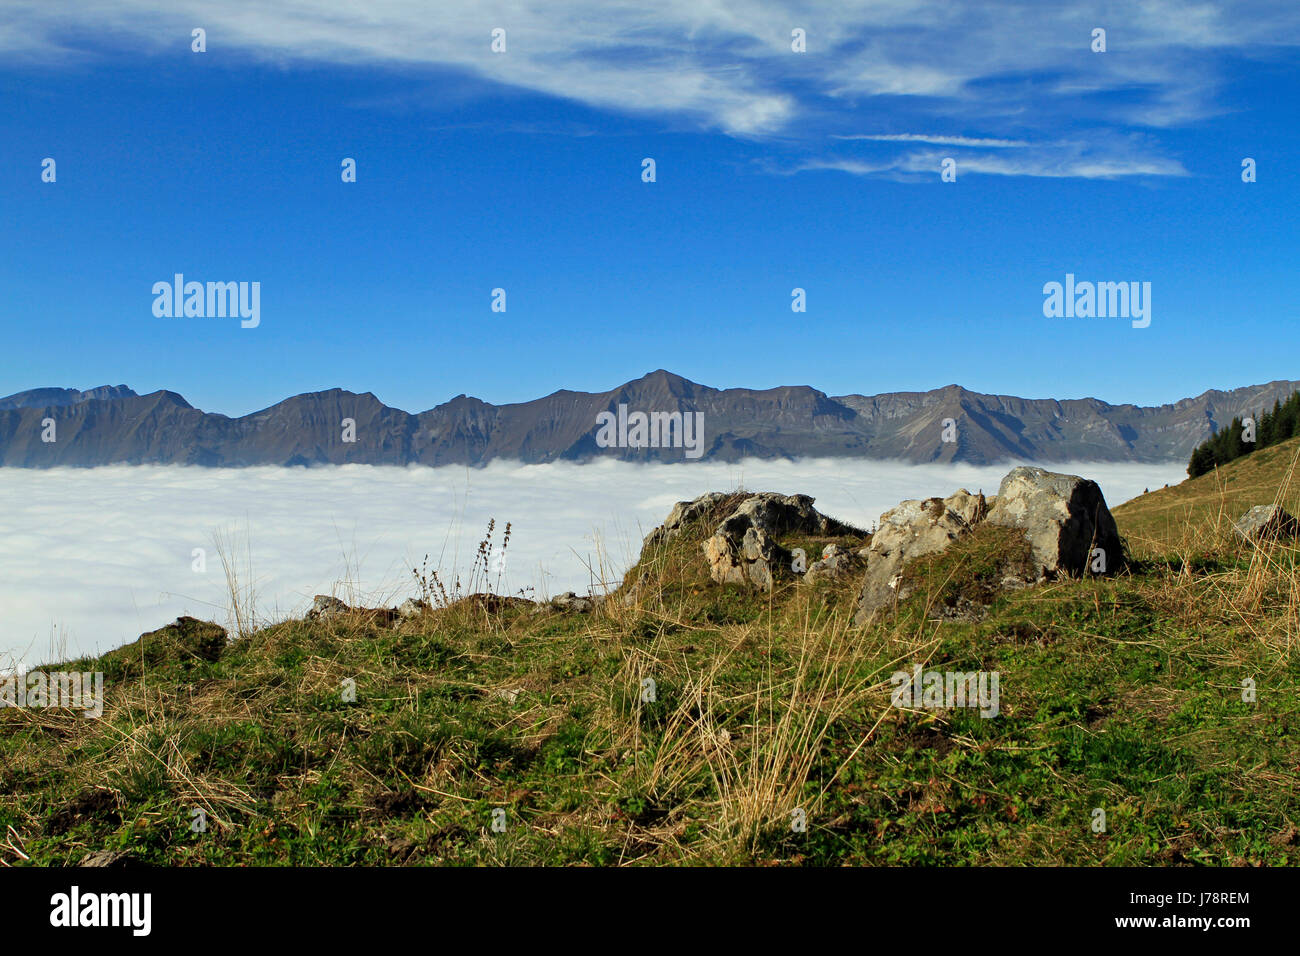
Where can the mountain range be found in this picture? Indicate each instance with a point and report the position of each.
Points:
(114, 425)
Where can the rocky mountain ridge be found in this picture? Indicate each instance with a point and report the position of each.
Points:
(114, 425)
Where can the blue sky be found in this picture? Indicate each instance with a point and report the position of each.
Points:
(522, 170)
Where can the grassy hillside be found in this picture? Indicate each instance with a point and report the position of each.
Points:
(1201, 508)
(1122, 695)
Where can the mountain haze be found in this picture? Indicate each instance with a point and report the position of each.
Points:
(112, 425)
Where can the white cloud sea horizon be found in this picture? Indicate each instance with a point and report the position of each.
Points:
(92, 558)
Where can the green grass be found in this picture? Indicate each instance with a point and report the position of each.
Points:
(1121, 694)
(1200, 508)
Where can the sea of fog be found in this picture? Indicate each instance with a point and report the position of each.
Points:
(91, 558)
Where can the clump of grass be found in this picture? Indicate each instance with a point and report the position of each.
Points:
(241, 590)
(968, 575)
(488, 559)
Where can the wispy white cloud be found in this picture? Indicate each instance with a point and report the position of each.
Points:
(971, 141)
(728, 64)
(1112, 158)
(102, 555)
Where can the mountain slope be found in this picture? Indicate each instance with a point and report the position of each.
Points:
(1161, 520)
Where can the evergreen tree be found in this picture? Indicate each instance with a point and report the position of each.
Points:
(1227, 444)
(1264, 427)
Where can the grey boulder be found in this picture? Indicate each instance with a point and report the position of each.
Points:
(1064, 518)
(578, 603)
(412, 608)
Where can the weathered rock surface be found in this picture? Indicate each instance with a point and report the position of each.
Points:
(1064, 518)
(835, 562)
(753, 558)
(907, 532)
(683, 515)
(1266, 522)
(412, 608)
(325, 607)
(744, 549)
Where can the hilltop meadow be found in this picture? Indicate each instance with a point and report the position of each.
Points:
(682, 721)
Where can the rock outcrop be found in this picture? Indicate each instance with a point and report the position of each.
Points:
(325, 607)
(744, 548)
(1063, 518)
(412, 608)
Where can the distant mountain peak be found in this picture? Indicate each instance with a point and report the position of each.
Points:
(62, 397)
(112, 424)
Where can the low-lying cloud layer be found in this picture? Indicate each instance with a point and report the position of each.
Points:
(91, 558)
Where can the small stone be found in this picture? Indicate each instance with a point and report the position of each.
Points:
(324, 607)
(571, 601)
(1266, 522)
(835, 562)
(412, 607)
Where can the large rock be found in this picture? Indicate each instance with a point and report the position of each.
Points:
(1064, 518)
(909, 531)
(743, 547)
(744, 550)
(1266, 522)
